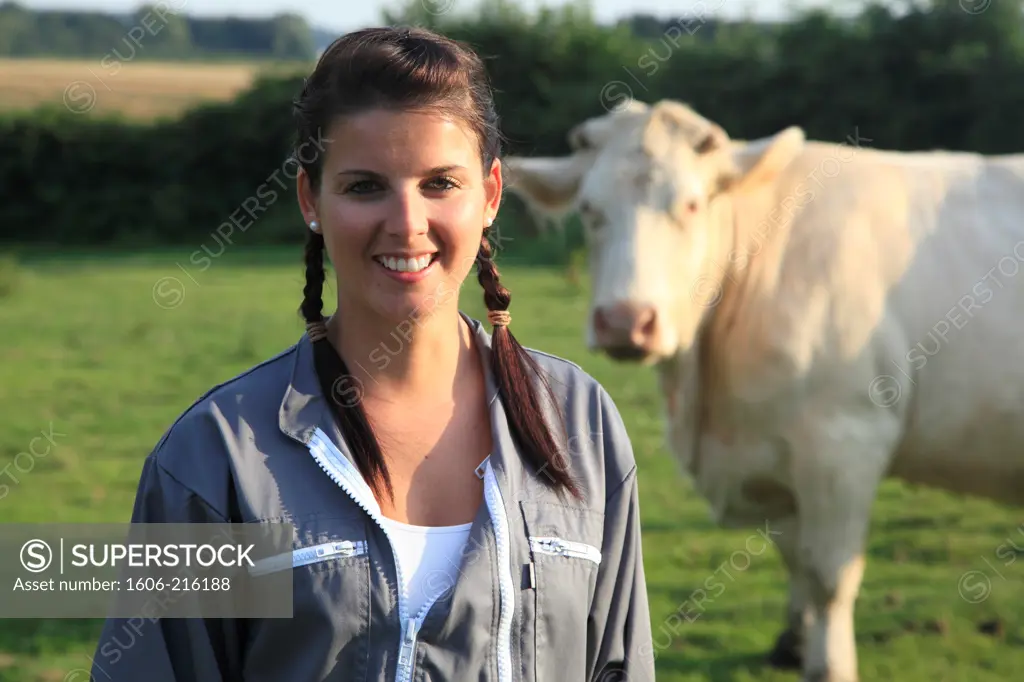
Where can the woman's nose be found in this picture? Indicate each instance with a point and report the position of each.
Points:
(408, 216)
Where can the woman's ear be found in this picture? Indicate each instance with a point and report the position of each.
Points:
(306, 196)
(493, 187)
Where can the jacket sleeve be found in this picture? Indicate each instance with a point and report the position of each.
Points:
(157, 649)
(620, 616)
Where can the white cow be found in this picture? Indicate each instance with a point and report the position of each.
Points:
(820, 316)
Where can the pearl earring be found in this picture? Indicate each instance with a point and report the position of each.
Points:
(489, 221)
(314, 225)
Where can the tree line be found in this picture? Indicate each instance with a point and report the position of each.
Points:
(154, 31)
(932, 75)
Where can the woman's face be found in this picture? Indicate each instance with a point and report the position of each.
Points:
(402, 205)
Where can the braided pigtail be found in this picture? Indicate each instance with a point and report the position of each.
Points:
(344, 390)
(514, 369)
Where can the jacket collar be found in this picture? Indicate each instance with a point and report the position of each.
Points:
(304, 409)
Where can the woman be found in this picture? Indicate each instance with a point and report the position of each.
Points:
(484, 495)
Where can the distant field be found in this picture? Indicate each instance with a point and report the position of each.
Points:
(88, 352)
(138, 90)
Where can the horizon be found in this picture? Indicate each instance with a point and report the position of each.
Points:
(325, 15)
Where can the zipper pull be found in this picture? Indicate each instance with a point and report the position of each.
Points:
(408, 644)
(336, 548)
(481, 469)
(555, 547)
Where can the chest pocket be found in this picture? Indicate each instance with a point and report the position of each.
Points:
(330, 566)
(565, 555)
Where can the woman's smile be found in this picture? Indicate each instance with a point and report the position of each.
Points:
(407, 267)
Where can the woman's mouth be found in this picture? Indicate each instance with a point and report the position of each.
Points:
(407, 264)
(408, 268)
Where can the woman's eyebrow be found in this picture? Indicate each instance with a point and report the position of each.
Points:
(359, 171)
(437, 170)
(444, 169)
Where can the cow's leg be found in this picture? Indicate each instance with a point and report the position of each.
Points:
(788, 651)
(836, 476)
(831, 650)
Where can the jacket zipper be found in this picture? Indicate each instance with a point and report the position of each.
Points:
(496, 507)
(308, 555)
(560, 547)
(345, 474)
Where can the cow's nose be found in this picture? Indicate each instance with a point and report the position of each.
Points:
(626, 330)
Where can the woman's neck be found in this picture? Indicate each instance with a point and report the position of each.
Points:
(418, 357)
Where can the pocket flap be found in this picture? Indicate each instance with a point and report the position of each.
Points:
(318, 538)
(308, 555)
(567, 531)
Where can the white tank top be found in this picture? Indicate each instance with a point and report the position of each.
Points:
(430, 558)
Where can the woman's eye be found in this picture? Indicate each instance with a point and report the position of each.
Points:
(361, 187)
(443, 183)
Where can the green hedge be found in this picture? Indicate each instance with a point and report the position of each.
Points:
(936, 77)
(77, 181)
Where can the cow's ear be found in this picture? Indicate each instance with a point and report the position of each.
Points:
(761, 161)
(715, 139)
(579, 140)
(548, 184)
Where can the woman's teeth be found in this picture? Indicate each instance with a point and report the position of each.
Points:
(406, 265)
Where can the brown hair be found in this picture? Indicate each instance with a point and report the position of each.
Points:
(415, 69)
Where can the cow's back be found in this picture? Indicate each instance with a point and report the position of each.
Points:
(899, 275)
(960, 302)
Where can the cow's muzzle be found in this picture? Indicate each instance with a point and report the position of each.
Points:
(626, 331)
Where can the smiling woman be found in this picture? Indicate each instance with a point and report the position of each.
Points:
(451, 523)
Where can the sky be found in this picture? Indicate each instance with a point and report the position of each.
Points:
(344, 15)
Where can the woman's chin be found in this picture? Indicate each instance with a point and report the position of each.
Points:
(412, 310)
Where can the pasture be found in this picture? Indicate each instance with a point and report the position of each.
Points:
(88, 353)
(137, 90)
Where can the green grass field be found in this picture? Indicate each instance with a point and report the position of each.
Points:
(87, 352)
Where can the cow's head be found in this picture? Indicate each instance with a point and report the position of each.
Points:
(652, 185)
